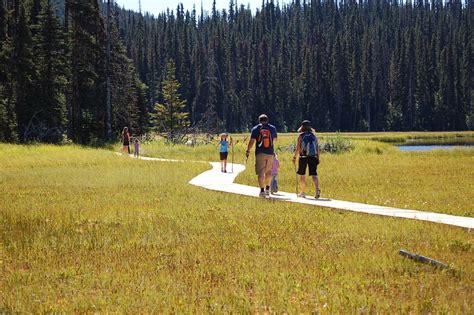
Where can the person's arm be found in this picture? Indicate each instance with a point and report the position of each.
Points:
(253, 138)
(297, 149)
(274, 137)
(319, 150)
(249, 146)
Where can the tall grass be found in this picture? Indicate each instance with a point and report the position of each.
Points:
(84, 230)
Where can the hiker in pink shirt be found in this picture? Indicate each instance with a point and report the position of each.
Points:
(275, 168)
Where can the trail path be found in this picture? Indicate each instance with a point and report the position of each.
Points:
(214, 179)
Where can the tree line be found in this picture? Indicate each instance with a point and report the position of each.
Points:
(367, 65)
(65, 74)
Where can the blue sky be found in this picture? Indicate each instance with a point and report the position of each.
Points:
(158, 6)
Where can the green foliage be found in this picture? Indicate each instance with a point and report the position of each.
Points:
(337, 144)
(170, 116)
(361, 66)
(49, 122)
(357, 66)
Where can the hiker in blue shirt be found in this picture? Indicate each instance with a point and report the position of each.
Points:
(308, 150)
(224, 151)
(264, 136)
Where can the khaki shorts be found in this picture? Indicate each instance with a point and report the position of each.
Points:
(263, 163)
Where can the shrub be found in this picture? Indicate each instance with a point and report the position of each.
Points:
(337, 144)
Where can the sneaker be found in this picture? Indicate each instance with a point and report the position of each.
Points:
(262, 194)
(267, 193)
(318, 194)
(301, 195)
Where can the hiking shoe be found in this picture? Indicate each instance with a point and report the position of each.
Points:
(262, 194)
(318, 194)
(301, 195)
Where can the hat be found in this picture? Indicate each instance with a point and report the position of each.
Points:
(306, 123)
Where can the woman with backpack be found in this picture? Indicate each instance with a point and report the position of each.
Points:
(308, 151)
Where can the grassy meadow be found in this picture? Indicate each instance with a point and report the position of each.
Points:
(85, 230)
(374, 172)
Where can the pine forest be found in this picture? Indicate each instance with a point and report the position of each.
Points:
(81, 70)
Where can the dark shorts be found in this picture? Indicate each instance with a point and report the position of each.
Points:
(309, 161)
(224, 155)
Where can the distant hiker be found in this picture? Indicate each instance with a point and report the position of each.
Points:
(308, 151)
(264, 136)
(275, 169)
(224, 151)
(136, 148)
(126, 140)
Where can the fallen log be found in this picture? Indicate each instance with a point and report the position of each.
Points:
(423, 259)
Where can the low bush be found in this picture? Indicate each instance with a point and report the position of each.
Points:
(338, 144)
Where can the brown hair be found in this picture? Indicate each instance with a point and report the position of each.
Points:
(305, 127)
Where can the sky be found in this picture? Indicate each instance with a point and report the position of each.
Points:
(158, 6)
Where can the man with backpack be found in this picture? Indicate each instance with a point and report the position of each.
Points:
(264, 136)
(308, 150)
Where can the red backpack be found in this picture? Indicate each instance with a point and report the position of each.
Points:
(264, 139)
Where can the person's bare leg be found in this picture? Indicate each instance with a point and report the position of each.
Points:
(302, 183)
(316, 183)
(225, 165)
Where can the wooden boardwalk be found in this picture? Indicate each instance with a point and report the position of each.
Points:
(214, 179)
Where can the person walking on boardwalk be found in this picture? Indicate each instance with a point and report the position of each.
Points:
(224, 151)
(263, 136)
(136, 147)
(308, 150)
(126, 141)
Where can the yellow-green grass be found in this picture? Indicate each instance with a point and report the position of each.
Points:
(84, 230)
(404, 136)
(374, 172)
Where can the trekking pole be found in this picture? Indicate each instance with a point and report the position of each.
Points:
(296, 172)
(296, 179)
(232, 145)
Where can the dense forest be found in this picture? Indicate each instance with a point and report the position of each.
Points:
(84, 69)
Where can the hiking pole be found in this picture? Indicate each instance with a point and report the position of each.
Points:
(232, 145)
(296, 178)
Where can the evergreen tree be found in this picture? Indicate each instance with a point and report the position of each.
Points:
(87, 42)
(52, 75)
(8, 123)
(24, 73)
(170, 116)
